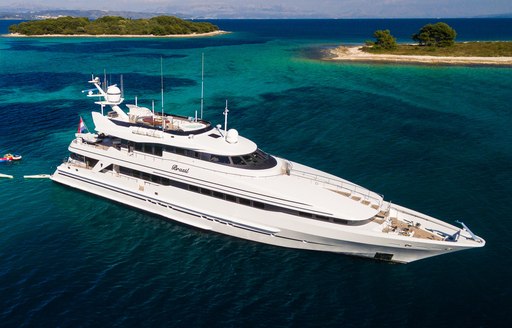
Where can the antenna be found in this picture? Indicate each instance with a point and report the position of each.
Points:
(162, 82)
(105, 80)
(122, 86)
(226, 111)
(202, 83)
(153, 108)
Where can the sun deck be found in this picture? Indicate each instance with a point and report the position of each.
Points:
(174, 124)
(395, 226)
(171, 124)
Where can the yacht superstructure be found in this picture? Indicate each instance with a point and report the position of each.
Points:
(187, 170)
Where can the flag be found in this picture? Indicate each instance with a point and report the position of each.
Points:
(81, 126)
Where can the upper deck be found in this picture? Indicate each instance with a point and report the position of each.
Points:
(174, 124)
(142, 125)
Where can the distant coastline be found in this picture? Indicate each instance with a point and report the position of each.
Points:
(191, 35)
(356, 54)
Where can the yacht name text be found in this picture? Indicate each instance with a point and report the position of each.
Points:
(179, 169)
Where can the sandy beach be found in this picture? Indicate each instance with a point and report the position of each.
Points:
(193, 35)
(356, 54)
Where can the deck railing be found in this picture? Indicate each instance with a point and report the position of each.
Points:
(341, 186)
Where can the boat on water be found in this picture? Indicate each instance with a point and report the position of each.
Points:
(208, 176)
(10, 158)
(37, 176)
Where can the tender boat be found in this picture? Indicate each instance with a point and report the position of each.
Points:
(10, 158)
(37, 176)
(210, 177)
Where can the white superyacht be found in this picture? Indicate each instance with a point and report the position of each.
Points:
(187, 170)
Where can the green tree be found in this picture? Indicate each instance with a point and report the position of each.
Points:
(384, 40)
(438, 35)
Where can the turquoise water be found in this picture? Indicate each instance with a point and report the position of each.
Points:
(433, 138)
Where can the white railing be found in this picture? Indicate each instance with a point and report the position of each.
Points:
(340, 185)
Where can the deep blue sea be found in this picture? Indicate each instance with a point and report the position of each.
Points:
(437, 139)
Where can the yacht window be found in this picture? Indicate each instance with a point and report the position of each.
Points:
(77, 157)
(218, 195)
(249, 158)
(191, 153)
(148, 148)
(340, 221)
(91, 162)
(220, 159)
(224, 160)
(244, 201)
(231, 198)
(258, 205)
(206, 191)
(205, 156)
(305, 215)
(125, 170)
(237, 160)
(256, 160)
(157, 150)
(193, 188)
(178, 184)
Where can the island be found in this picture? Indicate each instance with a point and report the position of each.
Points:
(435, 45)
(409, 54)
(114, 26)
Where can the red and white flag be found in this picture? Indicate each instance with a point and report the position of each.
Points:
(81, 126)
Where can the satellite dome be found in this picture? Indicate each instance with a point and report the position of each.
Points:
(232, 136)
(113, 94)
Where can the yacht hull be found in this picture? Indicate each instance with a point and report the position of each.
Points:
(144, 197)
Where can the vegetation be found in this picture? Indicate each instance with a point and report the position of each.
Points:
(459, 49)
(161, 25)
(384, 40)
(436, 40)
(436, 35)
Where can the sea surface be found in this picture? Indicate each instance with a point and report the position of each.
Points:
(437, 139)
